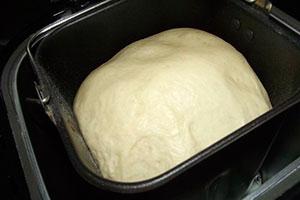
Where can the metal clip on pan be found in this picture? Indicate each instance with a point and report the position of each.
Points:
(34, 39)
(277, 14)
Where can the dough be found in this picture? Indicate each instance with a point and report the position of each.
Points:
(163, 99)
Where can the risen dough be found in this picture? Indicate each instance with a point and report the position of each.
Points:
(163, 99)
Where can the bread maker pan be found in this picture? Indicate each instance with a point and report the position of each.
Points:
(65, 52)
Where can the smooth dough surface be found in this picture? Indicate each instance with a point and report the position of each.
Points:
(163, 99)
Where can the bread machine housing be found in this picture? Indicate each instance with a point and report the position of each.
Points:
(64, 53)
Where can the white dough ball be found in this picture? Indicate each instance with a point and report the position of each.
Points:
(163, 99)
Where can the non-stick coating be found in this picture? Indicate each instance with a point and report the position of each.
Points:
(66, 56)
